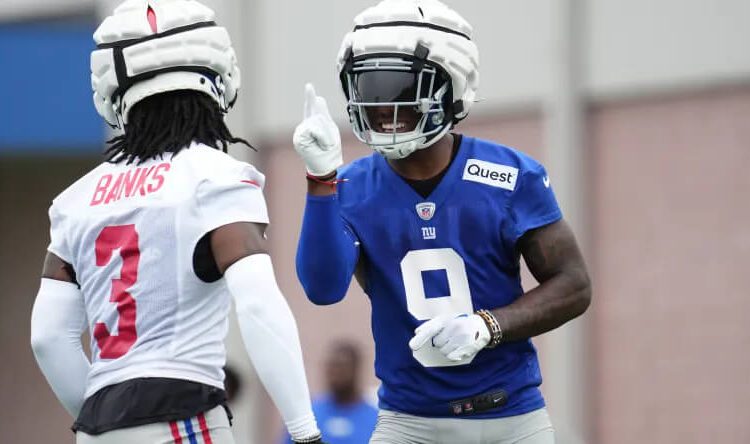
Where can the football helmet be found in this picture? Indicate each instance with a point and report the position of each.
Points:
(409, 71)
(150, 47)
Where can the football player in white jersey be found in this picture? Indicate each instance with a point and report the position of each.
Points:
(149, 249)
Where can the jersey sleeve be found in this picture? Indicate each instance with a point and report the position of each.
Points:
(327, 252)
(533, 203)
(58, 244)
(232, 195)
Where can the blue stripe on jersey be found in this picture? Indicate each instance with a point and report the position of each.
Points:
(189, 431)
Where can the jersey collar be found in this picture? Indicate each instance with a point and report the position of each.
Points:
(441, 191)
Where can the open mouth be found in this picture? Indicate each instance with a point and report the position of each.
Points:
(390, 127)
(384, 119)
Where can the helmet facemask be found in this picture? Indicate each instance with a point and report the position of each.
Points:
(397, 104)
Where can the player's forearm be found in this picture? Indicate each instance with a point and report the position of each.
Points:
(57, 321)
(547, 307)
(553, 257)
(326, 253)
(65, 367)
(269, 332)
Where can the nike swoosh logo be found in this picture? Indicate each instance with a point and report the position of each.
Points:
(545, 180)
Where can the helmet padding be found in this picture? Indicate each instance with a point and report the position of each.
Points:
(179, 47)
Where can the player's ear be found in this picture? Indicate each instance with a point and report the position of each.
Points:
(232, 242)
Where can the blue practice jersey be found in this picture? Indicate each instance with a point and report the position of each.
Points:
(343, 424)
(453, 252)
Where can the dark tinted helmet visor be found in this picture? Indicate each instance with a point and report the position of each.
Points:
(386, 86)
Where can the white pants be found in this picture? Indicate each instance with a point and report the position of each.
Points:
(399, 428)
(211, 427)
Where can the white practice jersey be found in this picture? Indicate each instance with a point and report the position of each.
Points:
(130, 233)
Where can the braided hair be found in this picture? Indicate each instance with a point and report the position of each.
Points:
(169, 122)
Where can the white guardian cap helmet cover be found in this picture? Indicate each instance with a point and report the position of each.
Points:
(151, 47)
(411, 55)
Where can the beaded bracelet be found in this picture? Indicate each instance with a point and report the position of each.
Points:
(496, 333)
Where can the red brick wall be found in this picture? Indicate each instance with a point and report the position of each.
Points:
(672, 270)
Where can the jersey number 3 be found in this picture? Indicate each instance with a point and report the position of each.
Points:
(124, 238)
(457, 301)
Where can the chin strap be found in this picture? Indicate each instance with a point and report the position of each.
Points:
(458, 108)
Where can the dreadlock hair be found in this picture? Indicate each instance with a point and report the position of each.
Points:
(169, 122)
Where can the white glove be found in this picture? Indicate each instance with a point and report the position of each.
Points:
(317, 138)
(459, 338)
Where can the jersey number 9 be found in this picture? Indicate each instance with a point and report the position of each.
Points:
(457, 301)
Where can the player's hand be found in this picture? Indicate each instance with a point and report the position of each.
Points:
(317, 138)
(459, 337)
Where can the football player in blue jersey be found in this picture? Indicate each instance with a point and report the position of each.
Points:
(433, 226)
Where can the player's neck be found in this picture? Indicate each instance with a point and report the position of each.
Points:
(426, 163)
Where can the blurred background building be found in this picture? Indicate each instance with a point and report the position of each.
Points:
(639, 108)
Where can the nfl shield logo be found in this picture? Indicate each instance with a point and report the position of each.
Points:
(426, 210)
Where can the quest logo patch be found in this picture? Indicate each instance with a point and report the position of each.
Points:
(492, 174)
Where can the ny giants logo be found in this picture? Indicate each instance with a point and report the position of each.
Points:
(130, 183)
(429, 233)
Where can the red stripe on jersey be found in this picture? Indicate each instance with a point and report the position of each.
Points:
(204, 429)
(251, 182)
(175, 432)
(151, 16)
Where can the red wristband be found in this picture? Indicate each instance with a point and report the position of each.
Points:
(330, 182)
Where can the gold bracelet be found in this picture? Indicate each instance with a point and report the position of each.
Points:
(496, 333)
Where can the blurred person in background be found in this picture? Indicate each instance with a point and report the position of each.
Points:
(149, 249)
(433, 226)
(344, 415)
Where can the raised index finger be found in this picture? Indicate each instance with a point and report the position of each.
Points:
(310, 97)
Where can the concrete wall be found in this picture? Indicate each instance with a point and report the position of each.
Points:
(302, 40)
(640, 46)
(630, 48)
